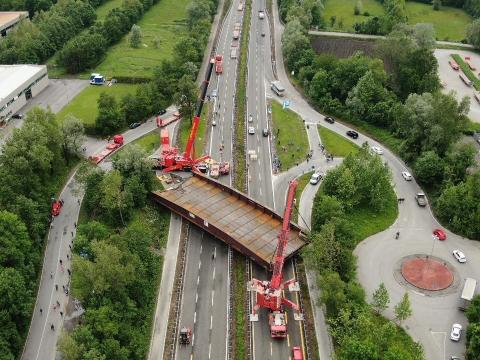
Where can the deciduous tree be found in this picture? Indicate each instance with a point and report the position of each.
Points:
(403, 310)
(380, 298)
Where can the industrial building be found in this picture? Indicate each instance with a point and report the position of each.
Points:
(18, 83)
(9, 19)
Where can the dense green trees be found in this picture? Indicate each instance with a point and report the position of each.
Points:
(109, 119)
(35, 41)
(32, 163)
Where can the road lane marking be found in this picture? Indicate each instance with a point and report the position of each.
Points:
(288, 340)
(196, 297)
(209, 350)
(194, 317)
(199, 264)
(271, 349)
(213, 293)
(198, 279)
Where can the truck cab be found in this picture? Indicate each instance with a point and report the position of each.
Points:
(96, 79)
(278, 324)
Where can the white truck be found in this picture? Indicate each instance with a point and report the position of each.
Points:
(468, 293)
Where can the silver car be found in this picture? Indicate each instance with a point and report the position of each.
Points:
(456, 332)
(251, 130)
(460, 256)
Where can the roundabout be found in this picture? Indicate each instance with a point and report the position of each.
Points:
(427, 273)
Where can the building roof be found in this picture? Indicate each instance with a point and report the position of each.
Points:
(13, 76)
(8, 18)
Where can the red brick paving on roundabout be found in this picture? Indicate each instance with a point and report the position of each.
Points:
(426, 273)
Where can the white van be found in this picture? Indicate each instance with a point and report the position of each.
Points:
(233, 53)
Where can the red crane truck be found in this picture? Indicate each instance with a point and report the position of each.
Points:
(109, 149)
(218, 64)
(270, 293)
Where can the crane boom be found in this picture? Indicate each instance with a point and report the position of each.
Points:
(279, 260)
(196, 120)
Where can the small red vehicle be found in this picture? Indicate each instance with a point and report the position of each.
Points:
(297, 353)
(439, 234)
(56, 207)
(218, 64)
(453, 64)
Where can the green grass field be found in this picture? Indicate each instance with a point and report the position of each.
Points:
(84, 106)
(149, 143)
(292, 137)
(336, 144)
(449, 22)
(343, 11)
(103, 9)
(302, 182)
(165, 21)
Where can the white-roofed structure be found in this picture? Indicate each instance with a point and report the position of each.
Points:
(10, 19)
(18, 83)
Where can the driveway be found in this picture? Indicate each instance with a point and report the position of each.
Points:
(453, 81)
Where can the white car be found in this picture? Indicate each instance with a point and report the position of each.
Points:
(460, 256)
(250, 118)
(377, 150)
(315, 179)
(456, 331)
(251, 130)
(214, 93)
(407, 176)
(214, 123)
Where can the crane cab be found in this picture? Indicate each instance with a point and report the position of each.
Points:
(185, 335)
(278, 324)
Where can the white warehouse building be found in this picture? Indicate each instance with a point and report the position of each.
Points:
(18, 83)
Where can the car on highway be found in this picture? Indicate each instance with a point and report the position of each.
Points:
(352, 134)
(250, 118)
(214, 123)
(161, 112)
(17, 116)
(456, 332)
(460, 256)
(407, 176)
(251, 130)
(134, 125)
(421, 199)
(214, 93)
(265, 132)
(315, 179)
(377, 150)
(297, 353)
(439, 234)
(329, 119)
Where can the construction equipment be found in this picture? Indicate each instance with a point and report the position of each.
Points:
(109, 149)
(169, 158)
(218, 64)
(270, 293)
(185, 335)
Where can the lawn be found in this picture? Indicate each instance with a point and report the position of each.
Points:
(84, 106)
(185, 128)
(343, 11)
(466, 70)
(148, 142)
(292, 141)
(335, 144)
(449, 22)
(302, 182)
(164, 21)
(103, 10)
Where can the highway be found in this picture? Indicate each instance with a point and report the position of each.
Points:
(260, 186)
(206, 296)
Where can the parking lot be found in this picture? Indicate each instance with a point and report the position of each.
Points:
(453, 81)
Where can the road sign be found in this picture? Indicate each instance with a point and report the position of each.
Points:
(286, 104)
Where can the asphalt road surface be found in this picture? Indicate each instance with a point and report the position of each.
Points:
(204, 305)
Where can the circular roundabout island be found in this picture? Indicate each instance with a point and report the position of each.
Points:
(427, 273)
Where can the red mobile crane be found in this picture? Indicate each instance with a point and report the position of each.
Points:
(170, 159)
(270, 293)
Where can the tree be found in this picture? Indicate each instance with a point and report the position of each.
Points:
(473, 33)
(108, 120)
(403, 310)
(135, 36)
(69, 348)
(82, 52)
(73, 136)
(429, 168)
(457, 161)
(114, 197)
(133, 161)
(186, 97)
(380, 298)
(357, 8)
(473, 311)
(294, 42)
(356, 349)
(325, 207)
(197, 10)
(473, 341)
(437, 4)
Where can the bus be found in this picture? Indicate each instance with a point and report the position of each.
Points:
(277, 88)
(467, 293)
(465, 79)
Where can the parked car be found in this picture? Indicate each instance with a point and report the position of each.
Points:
(456, 332)
(352, 134)
(134, 125)
(421, 199)
(161, 112)
(377, 150)
(265, 132)
(297, 353)
(251, 130)
(439, 234)
(17, 116)
(460, 256)
(315, 179)
(329, 119)
(407, 176)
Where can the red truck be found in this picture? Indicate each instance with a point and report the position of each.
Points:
(218, 64)
(110, 148)
(56, 207)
